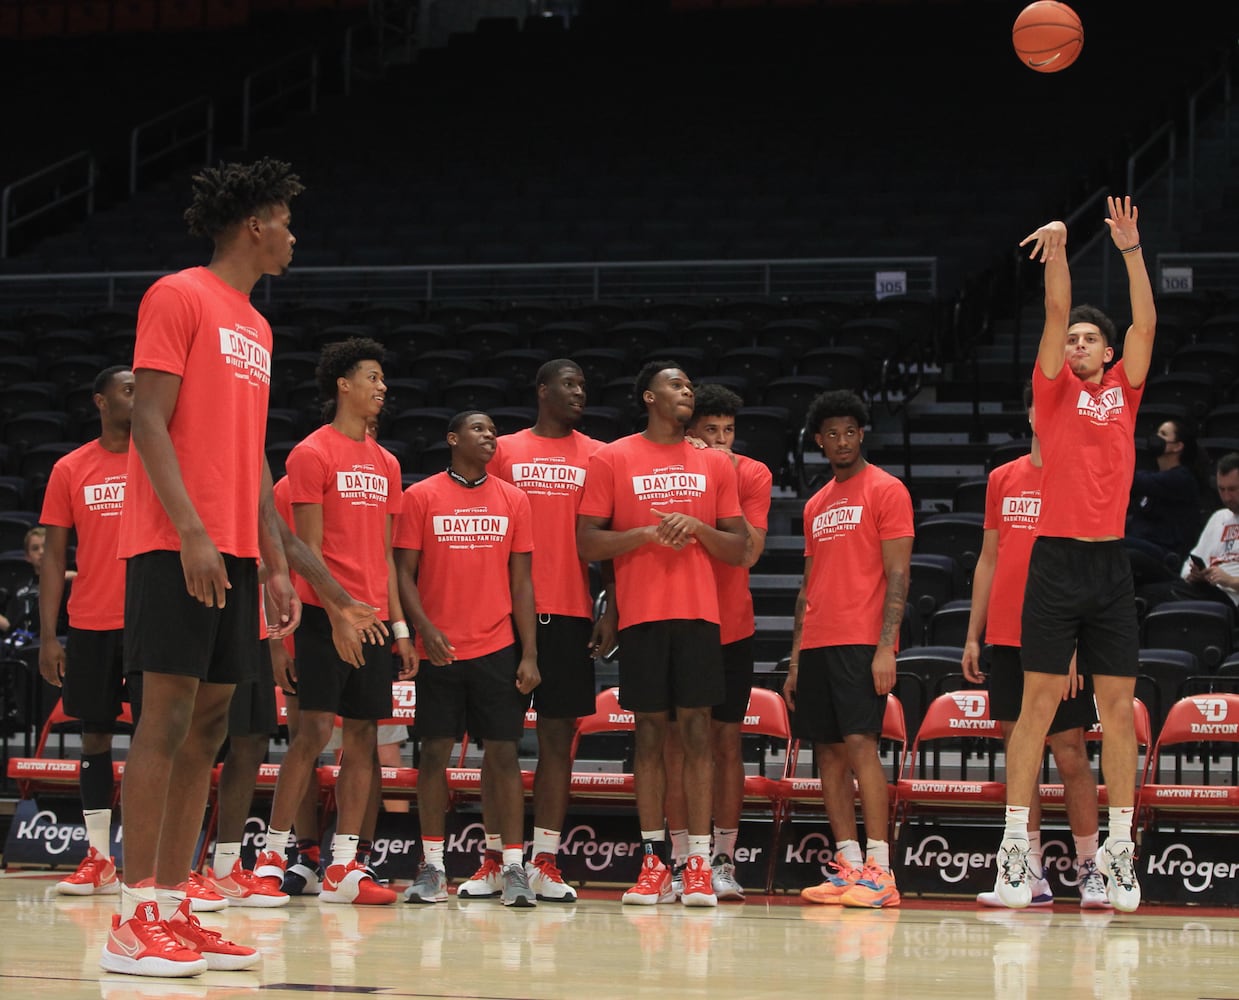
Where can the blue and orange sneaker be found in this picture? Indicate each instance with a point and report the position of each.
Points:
(874, 889)
(844, 876)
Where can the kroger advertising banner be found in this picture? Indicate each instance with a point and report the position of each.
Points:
(960, 860)
(595, 850)
(1200, 868)
(50, 834)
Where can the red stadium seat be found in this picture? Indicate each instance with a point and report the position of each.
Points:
(954, 723)
(58, 775)
(800, 793)
(1199, 743)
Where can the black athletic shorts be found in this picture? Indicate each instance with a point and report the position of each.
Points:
(737, 681)
(325, 683)
(835, 696)
(1006, 694)
(1080, 597)
(566, 665)
(94, 681)
(477, 697)
(169, 631)
(669, 664)
(252, 711)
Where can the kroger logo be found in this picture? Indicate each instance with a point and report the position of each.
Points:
(1177, 861)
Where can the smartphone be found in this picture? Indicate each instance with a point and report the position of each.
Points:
(1196, 560)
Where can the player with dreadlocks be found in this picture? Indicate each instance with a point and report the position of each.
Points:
(198, 516)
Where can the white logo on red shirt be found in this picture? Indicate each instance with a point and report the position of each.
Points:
(105, 498)
(843, 516)
(242, 351)
(1103, 407)
(1021, 511)
(366, 488)
(548, 475)
(672, 482)
(472, 528)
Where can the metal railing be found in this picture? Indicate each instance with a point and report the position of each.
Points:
(78, 171)
(848, 277)
(171, 127)
(277, 84)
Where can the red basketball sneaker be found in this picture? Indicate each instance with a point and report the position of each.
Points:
(220, 954)
(244, 888)
(143, 946)
(353, 884)
(653, 885)
(201, 896)
(95, 876)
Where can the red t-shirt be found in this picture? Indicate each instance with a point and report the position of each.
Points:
(194, 325)
(551, 473)
(845, 525)
(466, 537)
(629, 477)
(735, 600)
(1088, 451)
(86, 491)
(357, 483)
(1012, 508)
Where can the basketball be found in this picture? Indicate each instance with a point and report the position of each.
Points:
(1047, 36)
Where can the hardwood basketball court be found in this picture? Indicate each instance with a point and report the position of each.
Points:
(766, 947)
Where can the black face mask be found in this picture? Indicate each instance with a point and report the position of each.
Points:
(1157, 445)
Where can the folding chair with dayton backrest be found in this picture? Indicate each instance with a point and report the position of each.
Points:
(59, 775)
(800, 788)
(766, 736)
(397, 782)
(1199, 745)
(957, 727)
(1052, 793)
(612, 724)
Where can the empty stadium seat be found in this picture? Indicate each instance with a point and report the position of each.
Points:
(1203, 628)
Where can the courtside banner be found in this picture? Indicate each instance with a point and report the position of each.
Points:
(594, 850)
(937, 859)
(50, 834)
(1178, 868)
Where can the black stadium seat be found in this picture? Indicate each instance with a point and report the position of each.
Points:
(1203, 628)
(956, 535)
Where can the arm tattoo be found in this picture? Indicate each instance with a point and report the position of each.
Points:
(892, 609)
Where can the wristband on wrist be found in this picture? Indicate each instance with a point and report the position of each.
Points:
(1131, 249)
(400, 630)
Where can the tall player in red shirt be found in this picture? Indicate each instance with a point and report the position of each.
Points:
(197, 515)
(86, 492)
(1012, 509)
(463, 548)
(714, 423)
(664, 511)
(548, 462)
(858, 549)
(344, 489)
(1080, 595)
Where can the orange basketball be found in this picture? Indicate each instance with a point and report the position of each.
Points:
(1047, 36)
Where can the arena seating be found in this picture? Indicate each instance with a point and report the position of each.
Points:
(624, 187)
(1198, 751)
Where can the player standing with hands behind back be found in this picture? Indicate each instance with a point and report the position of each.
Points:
(1080, 594)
